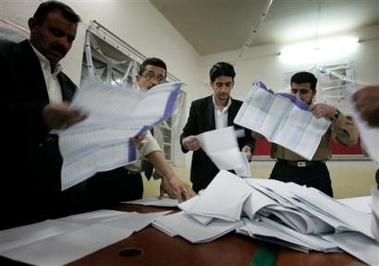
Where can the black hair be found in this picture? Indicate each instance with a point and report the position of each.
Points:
(221, 69)
(47, 7)
(305, 77)
(153, 61)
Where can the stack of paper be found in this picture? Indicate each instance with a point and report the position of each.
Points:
(185, 226)
(287, 214)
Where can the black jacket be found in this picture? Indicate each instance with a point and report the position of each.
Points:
(201, 119)
(31, 190)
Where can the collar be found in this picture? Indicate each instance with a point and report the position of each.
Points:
(227, 104)
(44, 61)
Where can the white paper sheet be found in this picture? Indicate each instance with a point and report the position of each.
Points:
(361, 204)
(358, 245)
(58, 242)
(281, 120)
(221, 146)
(115, 114)
(67, 247)
(165, 201)
(183, 225)
(227, 190)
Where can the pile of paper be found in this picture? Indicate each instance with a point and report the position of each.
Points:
(287, 214)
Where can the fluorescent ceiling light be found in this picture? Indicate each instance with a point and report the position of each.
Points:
(319, 51)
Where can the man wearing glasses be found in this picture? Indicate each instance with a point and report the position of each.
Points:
(125, 183)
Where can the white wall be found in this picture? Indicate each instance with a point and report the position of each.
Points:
(264, 63)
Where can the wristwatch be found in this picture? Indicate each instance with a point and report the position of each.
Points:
(335, 116)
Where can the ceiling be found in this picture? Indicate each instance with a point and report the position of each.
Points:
(213, 26)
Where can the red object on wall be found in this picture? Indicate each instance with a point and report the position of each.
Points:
(262, 148)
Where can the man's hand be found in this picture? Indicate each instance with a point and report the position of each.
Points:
(322, 110)
(60, 115)
(367, 104)
(247, 151)
(191, 143)
(176, 189)
(137, 140)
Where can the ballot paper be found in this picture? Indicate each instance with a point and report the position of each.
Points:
(268, 230)
(364, 248)
(61, 241)
(375, 212)
(287, 214)
(222, 148)
(282, 119)
(227, 190)
(115, 114)
(183, 225)
(164, 201)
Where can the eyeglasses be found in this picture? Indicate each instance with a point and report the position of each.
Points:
(149, 76)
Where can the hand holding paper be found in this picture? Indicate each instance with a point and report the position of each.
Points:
(115, 114)
(222, 148)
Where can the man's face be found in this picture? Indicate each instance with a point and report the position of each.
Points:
(303, 91)
(54, 37)
(222, 86)
(152, 76)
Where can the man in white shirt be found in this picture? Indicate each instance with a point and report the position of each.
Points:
(125, 183)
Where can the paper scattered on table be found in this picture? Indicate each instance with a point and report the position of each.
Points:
(165, 201)
(61, 241)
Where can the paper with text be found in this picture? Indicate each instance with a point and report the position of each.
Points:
(115, 114)
(282, 119)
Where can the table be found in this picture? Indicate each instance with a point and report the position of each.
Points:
(159, 249)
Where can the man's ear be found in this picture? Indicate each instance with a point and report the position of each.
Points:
(32, 23)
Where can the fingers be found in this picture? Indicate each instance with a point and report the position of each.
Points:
(192, 144)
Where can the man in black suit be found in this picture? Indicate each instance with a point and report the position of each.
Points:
(209, 113)
(35, 107)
